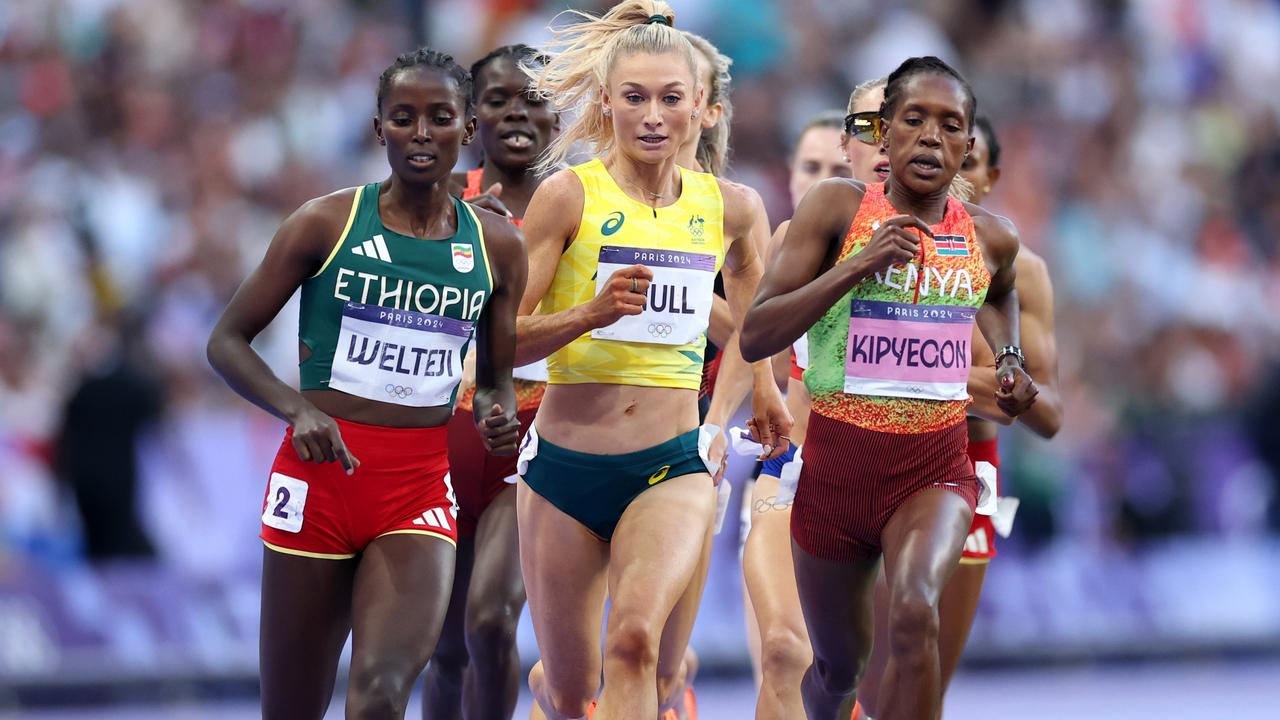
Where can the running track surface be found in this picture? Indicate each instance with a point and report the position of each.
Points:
(1226, 691)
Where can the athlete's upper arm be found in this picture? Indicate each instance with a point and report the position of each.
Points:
(823, 218)
(300, 249)
(550, 222)
(746, 226)
(1035, 295)
(775, 242)
(999, 241)
(496, 343)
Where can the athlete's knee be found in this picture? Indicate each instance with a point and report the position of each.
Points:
(838, 678)
(378, 691)
(491, 631)
(559, 702)
(634, 641)
(670, 686)
(784, 655)
(450, 660)
(913, 624)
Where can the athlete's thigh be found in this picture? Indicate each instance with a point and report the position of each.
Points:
(657, 545)
(306, 615)
(564, 575)
(495, 579)
(923, 541)
(402, 589)
(837, 600)
(766, 562)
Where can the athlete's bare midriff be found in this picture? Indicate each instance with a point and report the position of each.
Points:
(371, 412)
(615, 419)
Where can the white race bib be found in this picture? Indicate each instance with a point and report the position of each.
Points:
(398, 356)
(679, 305)
(907, 350)
(801, 348)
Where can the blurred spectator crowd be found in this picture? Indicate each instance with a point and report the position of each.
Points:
(149, 149)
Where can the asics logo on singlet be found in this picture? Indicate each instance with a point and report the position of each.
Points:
(399, 391)
(660, 329)
(613, 224)
(659, 476)
(375, 247)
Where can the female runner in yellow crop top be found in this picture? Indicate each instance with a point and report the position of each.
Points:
(617, 487)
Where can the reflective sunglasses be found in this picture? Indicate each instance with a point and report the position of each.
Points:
(864, 126)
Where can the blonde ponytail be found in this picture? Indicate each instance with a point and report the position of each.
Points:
(582, 55)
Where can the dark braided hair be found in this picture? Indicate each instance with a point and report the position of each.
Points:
(919, 66)
(989, 134)
(522, 54)
(426, 57)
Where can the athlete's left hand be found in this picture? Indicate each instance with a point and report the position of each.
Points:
(1017, 391)
(491, 201)
(500, 431)
(771, 421)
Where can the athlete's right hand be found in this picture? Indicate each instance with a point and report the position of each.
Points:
(316, 438)
(617, 298)
(893, 243)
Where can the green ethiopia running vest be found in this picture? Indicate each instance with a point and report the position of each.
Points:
(389, 317)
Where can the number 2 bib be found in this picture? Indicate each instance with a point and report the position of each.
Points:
(399, 356)
(678, 308)
(910, 351)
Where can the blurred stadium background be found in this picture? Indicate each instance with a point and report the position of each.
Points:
(149, 148)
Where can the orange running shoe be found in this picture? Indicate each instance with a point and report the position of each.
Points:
(857, 711)
(591, 709)
(690, 705)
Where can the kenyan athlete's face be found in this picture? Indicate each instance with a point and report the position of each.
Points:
(928, 133)
(424, 122)
(650, 100)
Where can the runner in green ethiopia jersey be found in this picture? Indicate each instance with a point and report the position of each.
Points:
(397, 279)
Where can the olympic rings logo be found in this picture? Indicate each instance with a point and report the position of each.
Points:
(661, 330)
(399, 391)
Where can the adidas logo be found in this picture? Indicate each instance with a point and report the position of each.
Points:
(375, 247)
(435, 517)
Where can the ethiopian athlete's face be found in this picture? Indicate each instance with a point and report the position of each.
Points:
(424, 123)
(651, 99)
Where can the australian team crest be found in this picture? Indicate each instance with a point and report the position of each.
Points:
(463, 259)
(697, 225)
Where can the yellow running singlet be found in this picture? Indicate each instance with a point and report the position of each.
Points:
(683, 244)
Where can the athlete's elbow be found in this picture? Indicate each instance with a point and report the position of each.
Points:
(750, 344)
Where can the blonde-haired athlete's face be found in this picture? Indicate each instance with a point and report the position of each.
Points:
(870, 162)
(651, 99)
(818, 157)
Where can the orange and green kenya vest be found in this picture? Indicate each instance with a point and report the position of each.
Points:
(893, 354)
(389, 317)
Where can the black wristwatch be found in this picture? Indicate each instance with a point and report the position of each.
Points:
(1013, 350)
